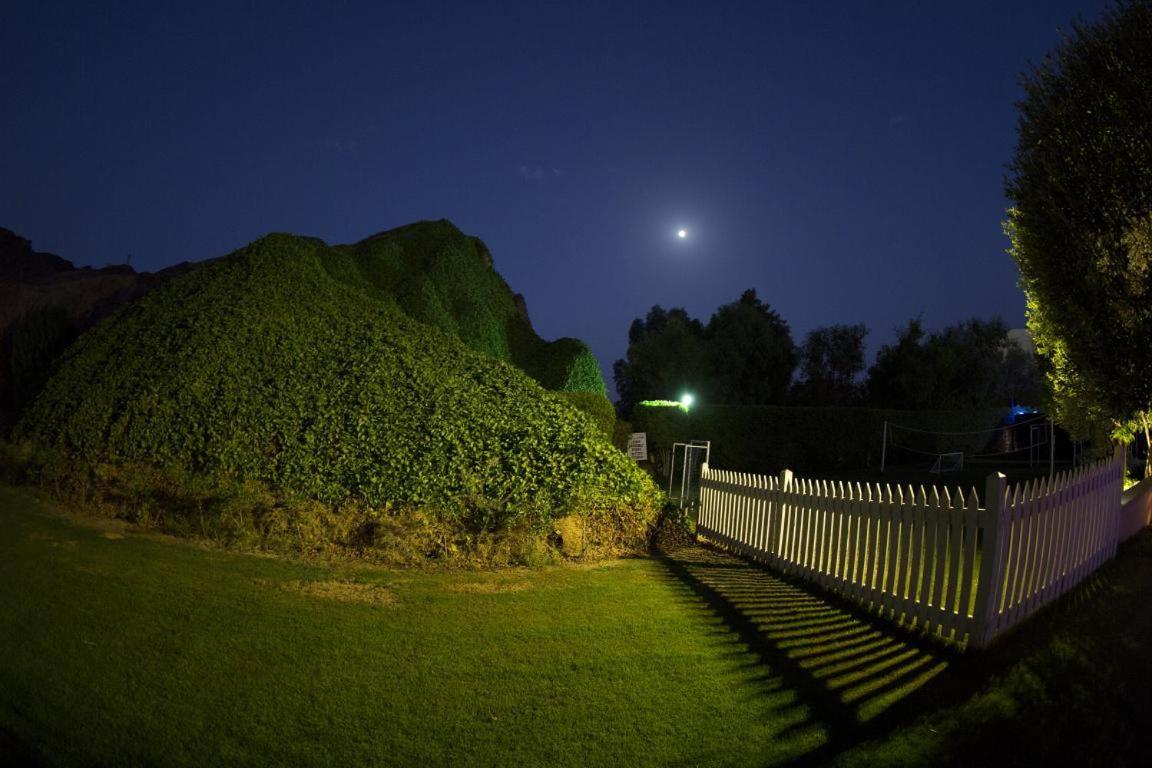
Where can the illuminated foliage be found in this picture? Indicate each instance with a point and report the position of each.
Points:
(282, 363)
(438, 275)
(1081, 226)
(597, 407)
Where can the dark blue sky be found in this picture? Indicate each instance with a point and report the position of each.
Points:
(845, 159)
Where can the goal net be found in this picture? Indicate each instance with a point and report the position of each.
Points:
(948, 462)
(1012, 441)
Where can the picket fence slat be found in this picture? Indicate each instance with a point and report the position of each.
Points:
(968, 554)
(916, 590)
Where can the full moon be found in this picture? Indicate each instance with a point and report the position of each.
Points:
(681, 233)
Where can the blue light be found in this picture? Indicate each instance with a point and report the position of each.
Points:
(1021, 410)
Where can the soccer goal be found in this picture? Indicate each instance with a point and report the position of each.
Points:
(1009, 442)
(948, 462)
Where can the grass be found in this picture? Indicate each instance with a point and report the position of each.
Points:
(118, 648)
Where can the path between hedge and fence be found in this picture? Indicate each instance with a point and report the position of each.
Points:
(929, 559)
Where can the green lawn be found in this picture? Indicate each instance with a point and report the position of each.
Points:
(124, 649)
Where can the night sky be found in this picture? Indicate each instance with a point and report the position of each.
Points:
(845, 159)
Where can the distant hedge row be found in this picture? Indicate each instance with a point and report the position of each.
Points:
(766, 439)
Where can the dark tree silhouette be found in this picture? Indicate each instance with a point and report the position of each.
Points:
(744, 355)
(751, 351)
(831, 362)
(968, 365)
(665, 357)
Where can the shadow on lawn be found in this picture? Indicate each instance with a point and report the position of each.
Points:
(856, 676)
(15, 753)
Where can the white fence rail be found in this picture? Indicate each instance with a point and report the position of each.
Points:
(929, 559)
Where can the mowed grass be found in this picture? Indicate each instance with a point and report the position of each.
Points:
(124, 649)
(133, 650)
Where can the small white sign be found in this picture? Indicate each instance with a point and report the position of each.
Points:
(638, 446)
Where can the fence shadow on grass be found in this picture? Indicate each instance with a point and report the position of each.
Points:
(15, 753)
(857, 676)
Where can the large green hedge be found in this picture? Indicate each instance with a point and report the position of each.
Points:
(597, 407)
(762, 438)
(439, 275)
(281, 363)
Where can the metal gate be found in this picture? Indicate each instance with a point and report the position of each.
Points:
(684, 474)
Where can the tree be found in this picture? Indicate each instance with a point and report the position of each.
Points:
(902, 375)
(967, 365)
(1081, 222)
(751, 353)
(744, 355)
(831, 361)
(665, 357)
(27, 350)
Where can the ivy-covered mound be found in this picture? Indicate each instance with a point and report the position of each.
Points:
(438, 275)
(285, 363)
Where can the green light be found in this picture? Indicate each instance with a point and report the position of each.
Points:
(684, 403)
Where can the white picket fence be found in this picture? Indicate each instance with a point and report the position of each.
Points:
(929, 559)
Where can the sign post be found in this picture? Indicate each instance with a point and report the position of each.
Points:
(638, 446)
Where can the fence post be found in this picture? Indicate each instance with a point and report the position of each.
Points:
(777, 530)
(991, 562)
(884, 447)
(700, 511)
(1119, 472)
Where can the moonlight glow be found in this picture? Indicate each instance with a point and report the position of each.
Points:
(682, 233)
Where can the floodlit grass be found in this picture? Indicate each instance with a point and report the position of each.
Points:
(1070, 687)
(119, 648)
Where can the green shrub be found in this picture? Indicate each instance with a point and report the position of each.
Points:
(29, 347)
(250, 515)
(597, 407)
(281, 365)
(622, 434)
(566, 365)
(438, 275)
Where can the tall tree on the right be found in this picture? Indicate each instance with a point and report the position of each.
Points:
(1081, 223)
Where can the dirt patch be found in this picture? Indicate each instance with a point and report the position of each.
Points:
(489, 587)
(597, 565)
(113, 525)
(343, 591)
(112, 536)
(52, 541)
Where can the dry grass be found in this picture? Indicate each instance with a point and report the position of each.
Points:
(343, 591)
(489, 587)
